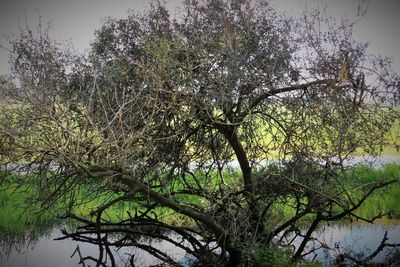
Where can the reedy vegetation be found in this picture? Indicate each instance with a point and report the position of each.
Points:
(21, 212)
(159, 107)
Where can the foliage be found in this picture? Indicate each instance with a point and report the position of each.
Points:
(272, 256)
(160, 108)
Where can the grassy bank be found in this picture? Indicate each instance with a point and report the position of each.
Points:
(21, 213)
(17, 217)
(356, 181)
(383, 201)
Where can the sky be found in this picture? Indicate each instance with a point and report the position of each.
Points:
(74, 21)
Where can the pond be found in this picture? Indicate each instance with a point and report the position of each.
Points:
(359, 239)
(45, 251)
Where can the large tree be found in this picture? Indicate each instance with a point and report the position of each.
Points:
(216, 116)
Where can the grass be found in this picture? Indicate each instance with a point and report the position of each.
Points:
(382, 201)
(21, 213)
(385, 200)
(16, 218)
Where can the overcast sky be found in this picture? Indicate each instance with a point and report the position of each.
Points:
(76, 20)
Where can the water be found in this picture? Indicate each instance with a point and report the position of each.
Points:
(359, 239)
(375, 162)
(45, 251)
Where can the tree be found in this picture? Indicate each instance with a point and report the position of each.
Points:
(161, 110)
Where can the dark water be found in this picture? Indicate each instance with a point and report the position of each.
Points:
(45, 251)
(358, 238)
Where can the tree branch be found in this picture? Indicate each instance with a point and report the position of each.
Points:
(145, 189)
(277, 91)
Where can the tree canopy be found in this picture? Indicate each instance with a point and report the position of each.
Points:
(214, 115)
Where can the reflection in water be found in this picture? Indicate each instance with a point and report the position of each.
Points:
(357, 238)
(45, 251)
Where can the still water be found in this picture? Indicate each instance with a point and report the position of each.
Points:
(45, 251)
(361, 239)
(42, 252)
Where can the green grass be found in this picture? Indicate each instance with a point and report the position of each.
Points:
(382, 201)
(277, 257)
(17, 217)
(20, 212)
(385, 200)
(356, 181)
